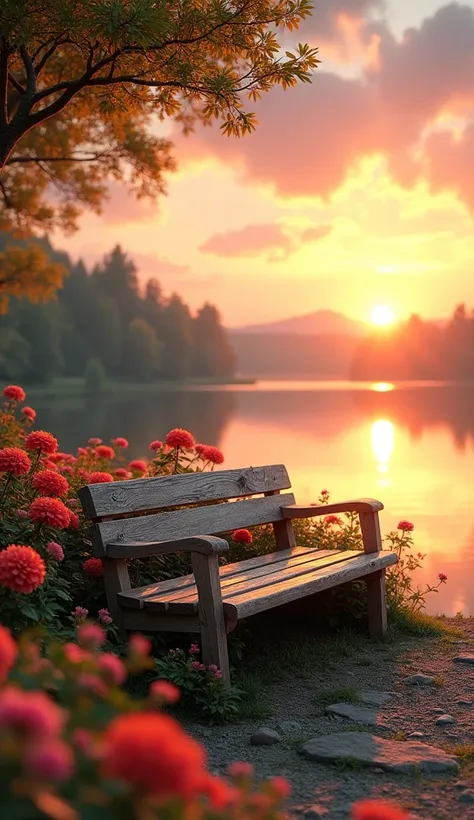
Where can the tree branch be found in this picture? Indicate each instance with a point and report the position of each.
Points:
(16, 85)
(6, 198)
(3, 86)
(91, 158)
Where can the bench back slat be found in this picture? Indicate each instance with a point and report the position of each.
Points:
(140, 495)
(206, 520)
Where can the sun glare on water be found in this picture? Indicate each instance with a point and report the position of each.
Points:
(382, 315)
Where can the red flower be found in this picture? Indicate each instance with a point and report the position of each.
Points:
(14, 392)
(105, 452)
(29, 413)
(93, 567)
(156, 445)
(138, 465)
(218, 792)
(239, 769)
(406, 526)
(21, 568)
(164, 692)
(50, 483)
(120, 442)
(242, 536)
(152, 753)
(74, 522)
(100, 478)
(375, 810)
(8, 653)
(50, 511)
(333, 519)
(442, 577)
(122, 473)
(94, 442)
(209, 453)
(280, 787)
(15, 461)
(41, 441)
(112, 668)
(180, 438)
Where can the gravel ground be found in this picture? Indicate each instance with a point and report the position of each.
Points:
(327, 791)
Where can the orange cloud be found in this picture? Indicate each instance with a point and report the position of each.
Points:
(275, 241)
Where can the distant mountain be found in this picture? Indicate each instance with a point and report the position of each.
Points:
(289, 355)
(320, 323)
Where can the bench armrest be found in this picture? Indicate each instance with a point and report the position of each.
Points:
(361, 505)
(203, 544)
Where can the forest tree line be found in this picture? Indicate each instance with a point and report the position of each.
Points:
(419, 350)
(107, 319)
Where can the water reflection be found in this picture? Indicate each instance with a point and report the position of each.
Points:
(382, 443)
(382, 387)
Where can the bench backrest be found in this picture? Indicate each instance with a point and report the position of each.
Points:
(143, 509)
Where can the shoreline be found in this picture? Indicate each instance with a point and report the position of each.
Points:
(74, 386)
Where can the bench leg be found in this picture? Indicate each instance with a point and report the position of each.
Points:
(376, 604)
(211, 613)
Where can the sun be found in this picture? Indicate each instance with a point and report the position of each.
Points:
(382, 315)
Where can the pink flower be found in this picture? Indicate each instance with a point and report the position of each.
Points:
(91, 683)
(405, 526)
(82, 740)
(75, 654)
(442, 577)
(74, 521)
(91, 636)
(55, 551)
(105, 617)
(196, 666)
(139, 646)
(212, 667)
(21, 513)
(164, 692)
(14, 392)
(280, 787)
(180, 438)
(217, 674)
(94, 442)
(242, 536)
(122, 443)
(240, 769)
(113, 668)
(333, 519)
(50, 760)
(29, 413)
(80, 612)
(156, 445)
(29, 714)
(194, 649)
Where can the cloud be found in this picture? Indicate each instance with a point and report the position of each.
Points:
(309, 138)
(122, 207)
(275, 241)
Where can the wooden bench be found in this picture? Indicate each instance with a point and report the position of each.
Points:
(136, 519)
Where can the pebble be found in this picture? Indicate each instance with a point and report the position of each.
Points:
(437, 711)
(316, 812)
(290, 727)
(464, 659)
(358, 714)
(264, 737)
(467, 796)
(445, 720)
(416, 736)
(464, 702)
(419, 680)
(376, 698)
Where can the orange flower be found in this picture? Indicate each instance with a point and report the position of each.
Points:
(21, 568)
(180, 438)
(375, 810)
(103, 451)
(41, 441)
(50, 511)
(243, 536)
(93, 567)
(151, 752)
(15, 461)
(8, 653)
(100, 478)
(14, 392)
(50, 483)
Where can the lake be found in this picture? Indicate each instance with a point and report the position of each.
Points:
(409, 445)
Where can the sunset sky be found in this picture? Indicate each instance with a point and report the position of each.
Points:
(354, 191)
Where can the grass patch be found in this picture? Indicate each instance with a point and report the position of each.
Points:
(419, 625)
(255, 703)
(338, 694)
(465, 752)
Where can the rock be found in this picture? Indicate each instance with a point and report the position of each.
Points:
(359, 714)
(416, 736)
(376, 698)
(464, 659)
(464, 703)
(369, 750)
(290, 727)
(463, 784)
(437, 711)
(467, 796)
(265, 737)
(419, 680)
(316, 812)
(445, 720)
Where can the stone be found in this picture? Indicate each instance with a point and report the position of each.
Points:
(419, 680)
(465, 703)
(369, 750)
(376, 698)
(437, 711)
(264, 737)
(445, 720)
(416, 736)
(463, 784)
(464, 659)
(467, 796)
(358, 714)
(290, 727)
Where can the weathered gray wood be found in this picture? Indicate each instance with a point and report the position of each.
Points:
(211, 613)
(124, 497)
(249, 603)
(116, 580)
(376, 604)
(360, 505)
(177, 524)
(205, 544)
(283, 530)
(135, 597)
(371, 535)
